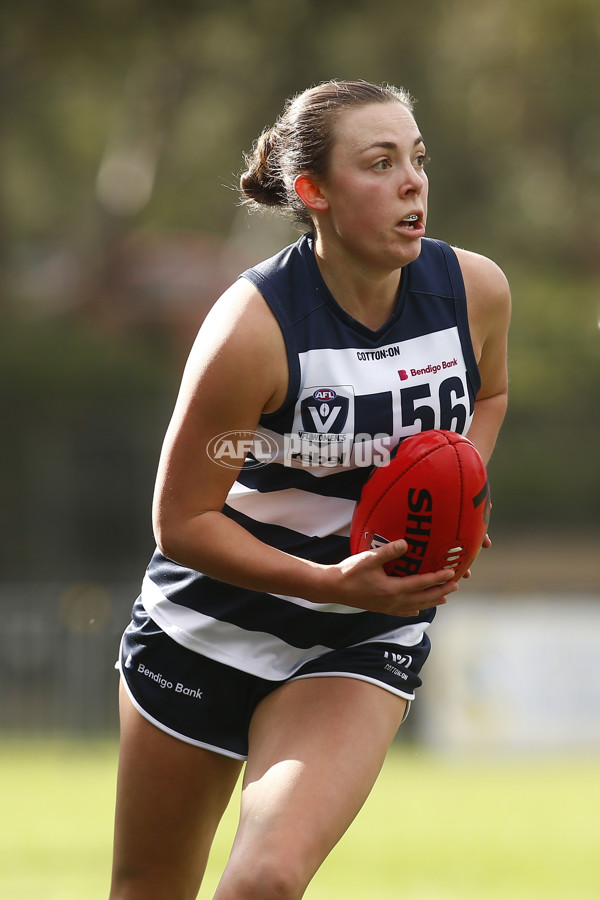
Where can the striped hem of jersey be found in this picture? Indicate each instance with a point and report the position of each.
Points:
(256, 652)
(262, 654)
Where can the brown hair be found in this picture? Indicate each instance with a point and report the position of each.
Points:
(301, 140)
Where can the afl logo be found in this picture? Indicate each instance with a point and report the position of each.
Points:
(324, 395)
(232, 449)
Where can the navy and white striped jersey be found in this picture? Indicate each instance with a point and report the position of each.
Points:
(353, 394)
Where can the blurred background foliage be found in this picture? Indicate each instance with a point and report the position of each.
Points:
(122, 129)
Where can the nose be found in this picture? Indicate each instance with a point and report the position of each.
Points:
(412, 180)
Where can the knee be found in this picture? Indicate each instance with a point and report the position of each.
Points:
(265, 880)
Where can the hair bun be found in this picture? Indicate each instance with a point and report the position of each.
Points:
(261, 182)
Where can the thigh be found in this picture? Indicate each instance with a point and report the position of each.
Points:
(170, 798)
(316, 747)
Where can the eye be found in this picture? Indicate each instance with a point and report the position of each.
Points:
(382, 164)
(421, 160)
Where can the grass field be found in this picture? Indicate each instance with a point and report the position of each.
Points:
(433, 829)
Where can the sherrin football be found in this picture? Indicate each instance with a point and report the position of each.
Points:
(434, 493)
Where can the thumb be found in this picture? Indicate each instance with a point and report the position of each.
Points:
(390, 551)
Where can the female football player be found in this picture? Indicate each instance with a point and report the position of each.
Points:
(257, 638)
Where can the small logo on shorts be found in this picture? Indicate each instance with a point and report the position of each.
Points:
(399, 659)
(394, 661)
(164, 683)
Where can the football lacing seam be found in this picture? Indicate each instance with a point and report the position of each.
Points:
(454, 556)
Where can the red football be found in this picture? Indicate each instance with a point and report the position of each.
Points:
(434, 493)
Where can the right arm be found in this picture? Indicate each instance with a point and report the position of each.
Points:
(237, 370)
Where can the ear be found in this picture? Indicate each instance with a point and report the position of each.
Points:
(310, 193)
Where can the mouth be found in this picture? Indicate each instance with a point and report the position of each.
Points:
(412, 224)
(411, 221)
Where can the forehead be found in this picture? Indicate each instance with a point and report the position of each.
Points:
(360, 127)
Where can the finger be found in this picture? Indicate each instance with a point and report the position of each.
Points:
(410, 603)
(417, 583)
(427, 597)
(387, 552)
(416, 605)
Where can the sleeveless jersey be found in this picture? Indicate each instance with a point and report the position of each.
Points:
(353, 394)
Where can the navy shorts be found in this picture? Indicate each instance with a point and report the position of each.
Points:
(209, 704)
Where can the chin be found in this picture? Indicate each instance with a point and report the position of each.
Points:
(409, 253)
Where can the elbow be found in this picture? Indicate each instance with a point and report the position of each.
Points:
(165, 541)
(164, 547)
(180, 538)
(167, 534)
(173, 545)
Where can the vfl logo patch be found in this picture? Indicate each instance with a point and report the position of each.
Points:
(325, 412)
(322, 434)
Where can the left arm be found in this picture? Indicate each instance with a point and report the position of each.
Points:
(488, 303)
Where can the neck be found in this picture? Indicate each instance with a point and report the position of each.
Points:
(368, 297)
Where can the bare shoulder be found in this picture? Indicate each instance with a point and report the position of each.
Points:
(241, 315)
(483, 277)
(240, 346)
(488, 302)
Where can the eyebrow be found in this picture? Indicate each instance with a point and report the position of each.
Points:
(392, 145)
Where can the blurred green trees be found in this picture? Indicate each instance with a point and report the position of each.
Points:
(122, 128)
